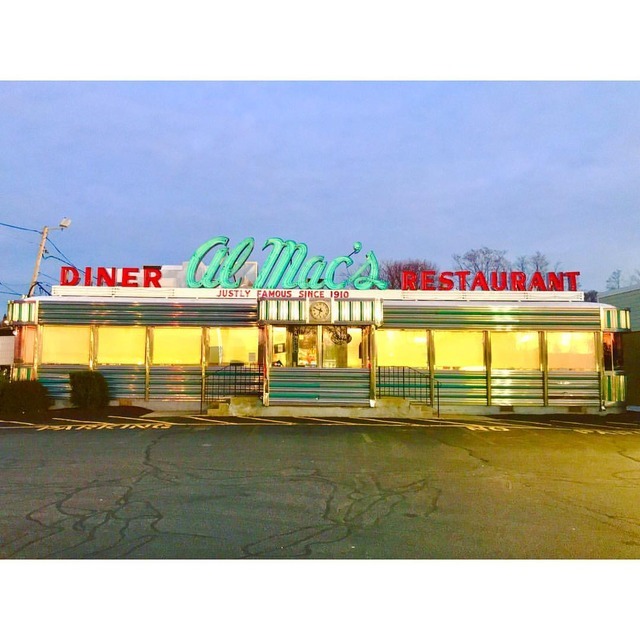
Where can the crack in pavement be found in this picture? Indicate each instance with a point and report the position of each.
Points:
(348, 509)
(77, 525)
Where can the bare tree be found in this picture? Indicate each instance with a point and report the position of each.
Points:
(522, 263)
(391, 270)
(487, 260)
(614, 281)
(483, 259)
(539, 262)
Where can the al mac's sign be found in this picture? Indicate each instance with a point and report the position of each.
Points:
(288, 266)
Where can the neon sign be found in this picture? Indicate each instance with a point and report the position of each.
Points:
(286, 267)
(493, 281)
(111, 276)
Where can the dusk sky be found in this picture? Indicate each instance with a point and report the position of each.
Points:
(148, 171)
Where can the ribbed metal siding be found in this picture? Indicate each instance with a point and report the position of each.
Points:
(299, 385)
(134, 313)
(124, 381)
(21, 312)
(283, 311)
(461, 387)
(615, 387)
(416, 317)
(56, 379)
(517, 388)
(616, 319)
(175, 383)
(570, 388)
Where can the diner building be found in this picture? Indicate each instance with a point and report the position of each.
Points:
(251, 349)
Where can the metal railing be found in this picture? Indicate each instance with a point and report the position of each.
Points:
(404, 382)
(232, 380)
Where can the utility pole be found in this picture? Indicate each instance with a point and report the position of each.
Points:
(64, 224)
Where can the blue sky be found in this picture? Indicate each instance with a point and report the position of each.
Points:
(147, 171)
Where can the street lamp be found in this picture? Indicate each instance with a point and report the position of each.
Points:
(65, 223)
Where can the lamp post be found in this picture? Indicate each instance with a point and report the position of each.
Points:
(65, 223)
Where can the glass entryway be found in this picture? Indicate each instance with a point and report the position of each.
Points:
(321, 346)
(319, 364)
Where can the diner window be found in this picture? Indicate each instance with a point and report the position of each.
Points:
(25, 345)
(177, 345)
(612, 348)
(281, 347)
(233, 346)
(304, 346)
(571, 350)
(402, 348)
(459, 350)
(515, 350)
(65, 344)
(121, 345)
(342, 347)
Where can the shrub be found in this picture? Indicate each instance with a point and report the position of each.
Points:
(89, 390)
(24, 397)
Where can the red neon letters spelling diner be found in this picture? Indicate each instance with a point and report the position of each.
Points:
(494, 281)
(108, 277)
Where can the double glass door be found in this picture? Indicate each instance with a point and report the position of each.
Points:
(326, 346)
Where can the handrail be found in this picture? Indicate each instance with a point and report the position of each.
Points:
(405, 382)
(233, 379)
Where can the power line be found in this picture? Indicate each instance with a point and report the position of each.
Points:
(46, 275)
(9, 290)
(55, 246)
(13, 226)
(50, 257)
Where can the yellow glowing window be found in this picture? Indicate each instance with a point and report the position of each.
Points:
(571, 350)
(65, 345)
(177, 345)
(121, 345)
(459, 350)
(515, 350)
(402, 348)
(236, 346)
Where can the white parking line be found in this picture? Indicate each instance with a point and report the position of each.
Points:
(81, 421)
(227, 422)
(328, 421)
(587, 425)
(130, 418)
(389, 421)
(272, 420)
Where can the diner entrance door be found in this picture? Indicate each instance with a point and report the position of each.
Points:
(319, 364)
(320, 346)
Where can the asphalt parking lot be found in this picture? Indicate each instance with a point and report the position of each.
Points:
(196, 487)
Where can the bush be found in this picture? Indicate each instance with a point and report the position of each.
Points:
(24, 398)
(89, 390)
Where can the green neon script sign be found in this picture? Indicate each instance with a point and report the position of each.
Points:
(286, 267)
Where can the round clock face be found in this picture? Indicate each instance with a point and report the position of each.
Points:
(319, 311)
